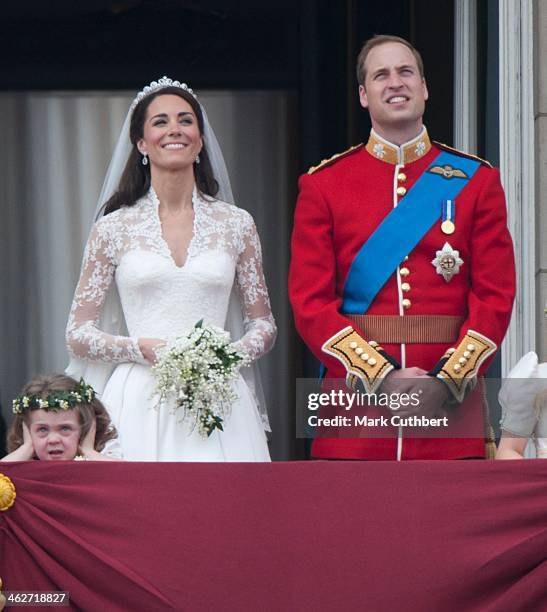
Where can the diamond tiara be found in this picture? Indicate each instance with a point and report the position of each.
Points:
(160, 84)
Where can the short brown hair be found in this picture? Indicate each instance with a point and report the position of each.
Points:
(380, 39)
(42, 386)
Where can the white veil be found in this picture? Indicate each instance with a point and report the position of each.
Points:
(112, 320)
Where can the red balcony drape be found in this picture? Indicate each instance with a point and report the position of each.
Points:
(461, 535)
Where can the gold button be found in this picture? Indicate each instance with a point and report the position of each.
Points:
(466, 354)
(405, 287)
(404, 272)
(401, 176)
(471, 347)
(462, 360)
(353, 345)
(401, 191)
(371, 361)
(406, 303)
(457, 367)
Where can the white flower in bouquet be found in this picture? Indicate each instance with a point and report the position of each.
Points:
(193, 374)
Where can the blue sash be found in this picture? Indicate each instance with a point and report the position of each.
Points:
(402, 230)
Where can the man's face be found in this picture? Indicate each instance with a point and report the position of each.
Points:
(394, 90)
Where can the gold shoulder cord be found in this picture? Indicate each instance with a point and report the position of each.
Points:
(327, 162)
(463, 153)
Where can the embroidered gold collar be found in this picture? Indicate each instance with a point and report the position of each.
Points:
(393, 154)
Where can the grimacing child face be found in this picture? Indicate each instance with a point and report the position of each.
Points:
(55, 435)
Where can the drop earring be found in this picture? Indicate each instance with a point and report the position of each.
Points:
(144, 159)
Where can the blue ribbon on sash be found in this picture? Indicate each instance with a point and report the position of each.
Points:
(402, 230)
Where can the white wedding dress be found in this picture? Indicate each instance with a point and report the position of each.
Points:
(161, 300)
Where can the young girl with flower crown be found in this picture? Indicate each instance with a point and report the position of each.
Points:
(60, 419)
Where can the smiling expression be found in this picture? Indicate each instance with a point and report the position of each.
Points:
(171, 136)
(394, 91)
(55, 435)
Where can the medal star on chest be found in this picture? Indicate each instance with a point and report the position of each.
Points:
(447, 262)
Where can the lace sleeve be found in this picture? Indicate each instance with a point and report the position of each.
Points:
(260, 329)
(84, 338)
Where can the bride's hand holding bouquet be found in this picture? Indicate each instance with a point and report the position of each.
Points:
(193, 375)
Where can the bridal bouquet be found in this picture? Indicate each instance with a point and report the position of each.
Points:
(194, 372)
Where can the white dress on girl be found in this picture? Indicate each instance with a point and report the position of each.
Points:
(523, 398)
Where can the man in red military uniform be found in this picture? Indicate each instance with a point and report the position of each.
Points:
(402, 272)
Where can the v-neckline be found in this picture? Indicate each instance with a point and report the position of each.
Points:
(195, 205)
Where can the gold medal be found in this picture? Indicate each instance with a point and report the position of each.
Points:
(448, 227)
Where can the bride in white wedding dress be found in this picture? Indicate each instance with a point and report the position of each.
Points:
(170, 254)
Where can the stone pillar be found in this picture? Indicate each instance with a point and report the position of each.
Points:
(518, 170)
(540, 129)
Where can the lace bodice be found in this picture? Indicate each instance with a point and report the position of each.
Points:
(160, 299)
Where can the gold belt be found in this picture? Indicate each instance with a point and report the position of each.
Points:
(410, 329)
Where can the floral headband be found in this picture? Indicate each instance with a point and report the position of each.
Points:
(58, 400)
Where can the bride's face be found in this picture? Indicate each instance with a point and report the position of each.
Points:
(171, 136)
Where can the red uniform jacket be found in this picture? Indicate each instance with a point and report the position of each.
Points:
(340, 204)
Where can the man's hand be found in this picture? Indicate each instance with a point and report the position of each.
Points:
(432, 392)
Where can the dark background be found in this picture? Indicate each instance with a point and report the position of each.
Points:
(304, 46)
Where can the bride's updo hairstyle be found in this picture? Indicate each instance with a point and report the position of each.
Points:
(135, 180)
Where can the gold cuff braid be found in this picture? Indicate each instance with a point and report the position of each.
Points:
(464, 362)
(359, 357)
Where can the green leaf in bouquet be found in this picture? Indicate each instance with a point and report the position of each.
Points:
(217, 424)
